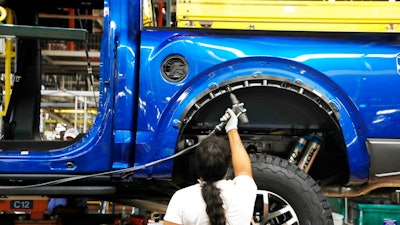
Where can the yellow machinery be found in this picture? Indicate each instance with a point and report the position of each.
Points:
(358, 16)
(8, 55)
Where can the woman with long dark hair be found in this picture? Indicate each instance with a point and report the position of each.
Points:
(216, 200)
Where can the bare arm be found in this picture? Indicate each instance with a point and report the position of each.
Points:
(240, 159)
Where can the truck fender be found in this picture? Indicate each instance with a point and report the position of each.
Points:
(251, 72)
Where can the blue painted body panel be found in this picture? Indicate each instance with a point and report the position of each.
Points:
(359, 75)
(139, 109)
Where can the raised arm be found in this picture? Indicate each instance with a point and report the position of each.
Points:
(240, 159)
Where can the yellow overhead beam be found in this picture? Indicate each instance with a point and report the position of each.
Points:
(376, 16)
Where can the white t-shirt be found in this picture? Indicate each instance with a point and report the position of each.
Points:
(187, 206)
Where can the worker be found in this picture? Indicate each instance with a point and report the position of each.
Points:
(216, 200)
(56, 202)
(70, 134)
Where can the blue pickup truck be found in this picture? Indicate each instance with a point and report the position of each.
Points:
(323, 111)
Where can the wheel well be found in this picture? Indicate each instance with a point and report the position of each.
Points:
(279, 114)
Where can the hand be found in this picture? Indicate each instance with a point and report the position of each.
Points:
(231, 118)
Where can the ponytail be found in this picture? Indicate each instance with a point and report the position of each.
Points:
(213, 157)
(213, 200)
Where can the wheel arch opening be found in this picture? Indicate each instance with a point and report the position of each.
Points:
(279, 113)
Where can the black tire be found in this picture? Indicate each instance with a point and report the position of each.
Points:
(288, 186)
